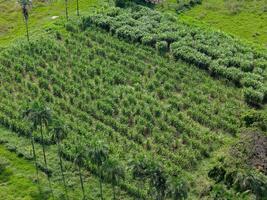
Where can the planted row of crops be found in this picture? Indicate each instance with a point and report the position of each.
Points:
(138, 103)
(219, 54)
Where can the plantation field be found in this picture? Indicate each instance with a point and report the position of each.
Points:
(138, 103)
(244, 19)
(129, 103)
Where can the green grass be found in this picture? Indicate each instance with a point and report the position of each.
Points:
(21, 173)
(248, 23)
(18, 180)
(12, 24)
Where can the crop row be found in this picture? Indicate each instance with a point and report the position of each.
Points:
(219, 54)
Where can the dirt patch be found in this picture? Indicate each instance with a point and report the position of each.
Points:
(252, 149)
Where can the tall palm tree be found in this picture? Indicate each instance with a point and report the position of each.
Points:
(40, 116)
(33, 126)
(140, 171)
(66, 9)
(58, 134)
(158, 180)
(77, 6)
(178, 188)
(115, 172)
(98, 153)
(78, 161)
(25, 11)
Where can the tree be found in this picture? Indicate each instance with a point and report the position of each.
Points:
(58, 133)
(66, 9)
(33, 126)
(140, 171)
(114, 172)
(40, 117)
(178, 188)
(158, 180)
(77, 6)
(25, 11)
(98, 153)
(78, 160)
(145, 168)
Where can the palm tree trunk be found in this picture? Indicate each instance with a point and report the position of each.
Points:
(35, 159)
(61, 169)
(27, 30)
(43, 147)
(48, 176)
(100, 184)
(81, 181)
(78, 10)
(66, 7)
(114, 191)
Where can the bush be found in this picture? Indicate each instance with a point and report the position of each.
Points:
(253, 96)
(162, 47)
(149, 40)
(120, 3)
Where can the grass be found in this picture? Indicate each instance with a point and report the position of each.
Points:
(244, 19)
(20, 173)
(12, 24)
(18, 180)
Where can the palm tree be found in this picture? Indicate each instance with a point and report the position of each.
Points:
(33, 126)
(158, 180)
(77, 6)
(25, 11)
(178, 189)
(40, 116)
(98, 153)
(66, 9)
(58, 134)
(140, 171)
(115, 172)
(78, 161)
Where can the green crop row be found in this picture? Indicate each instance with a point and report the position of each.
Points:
(219, 54)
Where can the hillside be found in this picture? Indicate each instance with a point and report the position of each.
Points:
(145, 107)
(244, 19)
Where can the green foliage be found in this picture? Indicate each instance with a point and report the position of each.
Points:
(124, 95)
(162, 47)
(220, 54)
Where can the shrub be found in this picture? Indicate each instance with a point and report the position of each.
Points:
(120, 3)
(149, 40)
(253, 96)
(162, 47)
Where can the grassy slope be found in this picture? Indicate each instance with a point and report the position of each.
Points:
(17, 182)
(12, 24)
(250, 23)
(21, 184)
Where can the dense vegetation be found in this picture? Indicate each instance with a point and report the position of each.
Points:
(139, 104)
(215, 52)
(105, 118)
